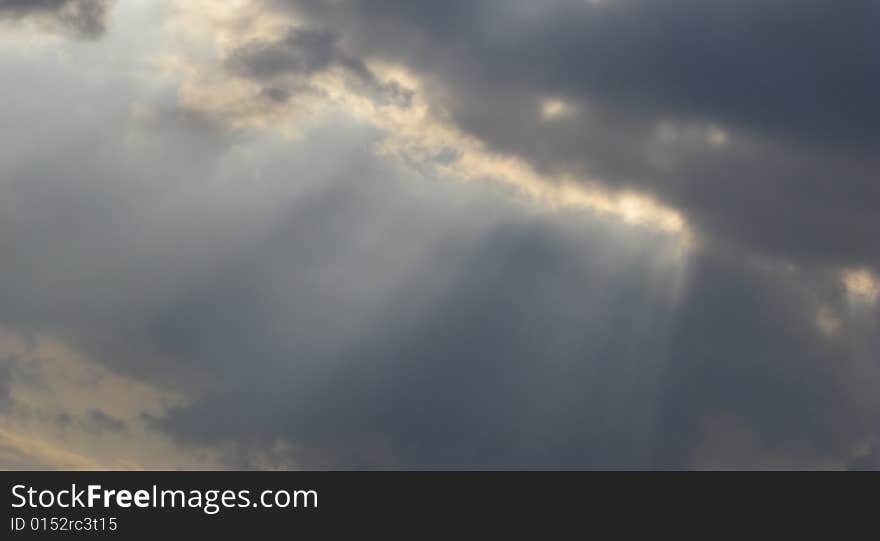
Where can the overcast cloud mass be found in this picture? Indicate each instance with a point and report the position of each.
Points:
(417, 234)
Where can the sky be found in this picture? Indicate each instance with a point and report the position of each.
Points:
(409, 234)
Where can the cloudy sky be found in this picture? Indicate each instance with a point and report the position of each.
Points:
(419, 234)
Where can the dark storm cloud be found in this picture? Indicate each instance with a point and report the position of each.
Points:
(303, 52)
(15, 370)
(804, 68)
(85, 18)
(793, 83)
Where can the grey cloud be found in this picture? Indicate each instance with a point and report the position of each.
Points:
(747, 348)
(867, 462)
(84, 18)
(5, 385)
(792, 82)
(98, 421)
(313, 293)
(302, 52)
(798, 67)
(15, 370)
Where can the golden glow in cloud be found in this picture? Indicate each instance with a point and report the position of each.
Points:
(862, 284)
(553, 109)
(206, 32)
(69, 412)
(416, 134)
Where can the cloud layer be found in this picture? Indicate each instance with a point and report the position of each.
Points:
(273, 236)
